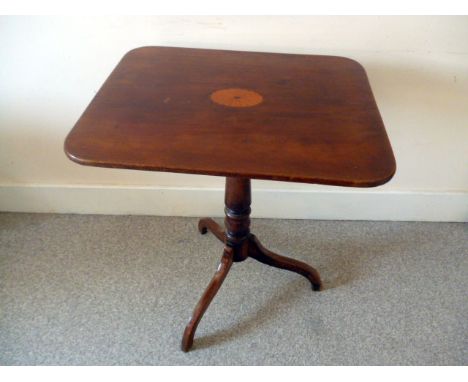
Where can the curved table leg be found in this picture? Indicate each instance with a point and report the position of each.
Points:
(207, 297)
(260, 253)
(208, 224)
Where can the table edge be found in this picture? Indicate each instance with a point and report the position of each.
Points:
(365, 183)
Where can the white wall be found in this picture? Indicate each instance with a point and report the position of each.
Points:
(50, 68)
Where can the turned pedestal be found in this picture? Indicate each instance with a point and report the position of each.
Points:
(239, 244)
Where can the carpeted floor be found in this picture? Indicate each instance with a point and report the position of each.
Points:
(118, 290)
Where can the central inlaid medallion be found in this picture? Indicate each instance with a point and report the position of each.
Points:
(236, 97)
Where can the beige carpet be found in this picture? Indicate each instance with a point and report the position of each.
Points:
(118, 290)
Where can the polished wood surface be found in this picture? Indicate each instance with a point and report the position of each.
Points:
(208, 224)
(239, 244)
(208, 295)
(301, 118)
(258, 252)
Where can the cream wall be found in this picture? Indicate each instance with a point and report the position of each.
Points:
(50, 68)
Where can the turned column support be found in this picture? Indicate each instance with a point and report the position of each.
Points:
(237, 201)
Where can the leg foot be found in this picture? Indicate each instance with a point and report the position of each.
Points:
(208, 224)
(260, 253)
(207, 297)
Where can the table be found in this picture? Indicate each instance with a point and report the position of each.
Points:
(243, 116)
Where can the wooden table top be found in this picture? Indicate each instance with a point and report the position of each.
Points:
(299, 118)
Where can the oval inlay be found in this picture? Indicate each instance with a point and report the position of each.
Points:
(236, 97)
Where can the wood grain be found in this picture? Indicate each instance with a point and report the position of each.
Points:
(317, 123)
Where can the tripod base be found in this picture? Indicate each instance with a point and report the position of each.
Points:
(249, 247)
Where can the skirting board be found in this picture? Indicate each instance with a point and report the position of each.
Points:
(267, 203)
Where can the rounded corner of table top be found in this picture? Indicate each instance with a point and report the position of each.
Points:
(381, 177)
(139, 49)
(144, 49)
(72, 153)
(376, 182)
(350, 61)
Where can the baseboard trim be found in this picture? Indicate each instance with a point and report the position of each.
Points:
(268, 203)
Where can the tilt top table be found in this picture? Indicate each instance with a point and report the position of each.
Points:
(241, 115)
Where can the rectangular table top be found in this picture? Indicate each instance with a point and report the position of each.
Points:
(300, 118)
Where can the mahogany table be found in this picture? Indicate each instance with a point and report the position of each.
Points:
(241, 115)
